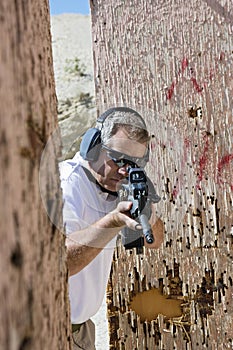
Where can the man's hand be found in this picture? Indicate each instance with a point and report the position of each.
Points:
(120, 217)
(84, 245)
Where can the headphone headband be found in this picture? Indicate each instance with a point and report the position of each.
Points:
(104, 116)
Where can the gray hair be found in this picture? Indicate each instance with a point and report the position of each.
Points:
(131, 122)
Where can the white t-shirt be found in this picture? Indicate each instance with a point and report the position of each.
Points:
(85, 203)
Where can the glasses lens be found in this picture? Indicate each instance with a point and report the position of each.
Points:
(118, 158)
(123, 162)
(121, 159)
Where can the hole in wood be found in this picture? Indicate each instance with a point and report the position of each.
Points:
(150, 303)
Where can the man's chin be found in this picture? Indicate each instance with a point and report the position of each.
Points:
(115, 185)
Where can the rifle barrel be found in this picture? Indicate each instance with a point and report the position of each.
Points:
(146, 228)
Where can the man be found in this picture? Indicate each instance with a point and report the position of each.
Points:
(93, 215)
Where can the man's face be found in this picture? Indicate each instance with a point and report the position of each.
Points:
(106, 171)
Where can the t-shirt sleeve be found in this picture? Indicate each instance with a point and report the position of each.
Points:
(72, 203)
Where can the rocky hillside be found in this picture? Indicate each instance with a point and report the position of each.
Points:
(73, 68)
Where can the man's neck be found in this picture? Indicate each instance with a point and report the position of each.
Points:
(90, 174)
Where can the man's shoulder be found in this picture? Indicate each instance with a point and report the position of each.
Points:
(70, 166)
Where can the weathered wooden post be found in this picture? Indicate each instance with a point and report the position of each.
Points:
(172, 61)
(34, 310)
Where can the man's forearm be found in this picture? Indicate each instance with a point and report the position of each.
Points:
(79, 256)
(84, 245)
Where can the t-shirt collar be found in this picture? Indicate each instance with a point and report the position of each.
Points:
(93, 180)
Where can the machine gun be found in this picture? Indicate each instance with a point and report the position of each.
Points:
(141, 192)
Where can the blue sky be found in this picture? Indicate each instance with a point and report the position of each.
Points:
(69, 6)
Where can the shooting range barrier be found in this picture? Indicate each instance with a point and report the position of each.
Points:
(172, 62)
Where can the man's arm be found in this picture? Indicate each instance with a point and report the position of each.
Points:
(84, 245)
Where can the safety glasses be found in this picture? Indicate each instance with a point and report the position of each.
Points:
(121, 159)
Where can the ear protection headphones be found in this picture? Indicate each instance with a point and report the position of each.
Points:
(91, 140)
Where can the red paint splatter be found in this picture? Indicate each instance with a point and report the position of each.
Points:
(184, 64)
(224, 161)
(175, 193)
(170, 91)
(187, 142)
(197, 87)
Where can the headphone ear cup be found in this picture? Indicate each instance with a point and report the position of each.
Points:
(90, 144)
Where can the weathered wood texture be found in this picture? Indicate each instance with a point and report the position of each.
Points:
(33, 288)
(172, 61)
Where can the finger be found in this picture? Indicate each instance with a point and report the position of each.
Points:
(132, 224)
(138, 227)
(124, 206)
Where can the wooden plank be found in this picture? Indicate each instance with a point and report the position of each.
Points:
(172, 62)
(33, 288)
